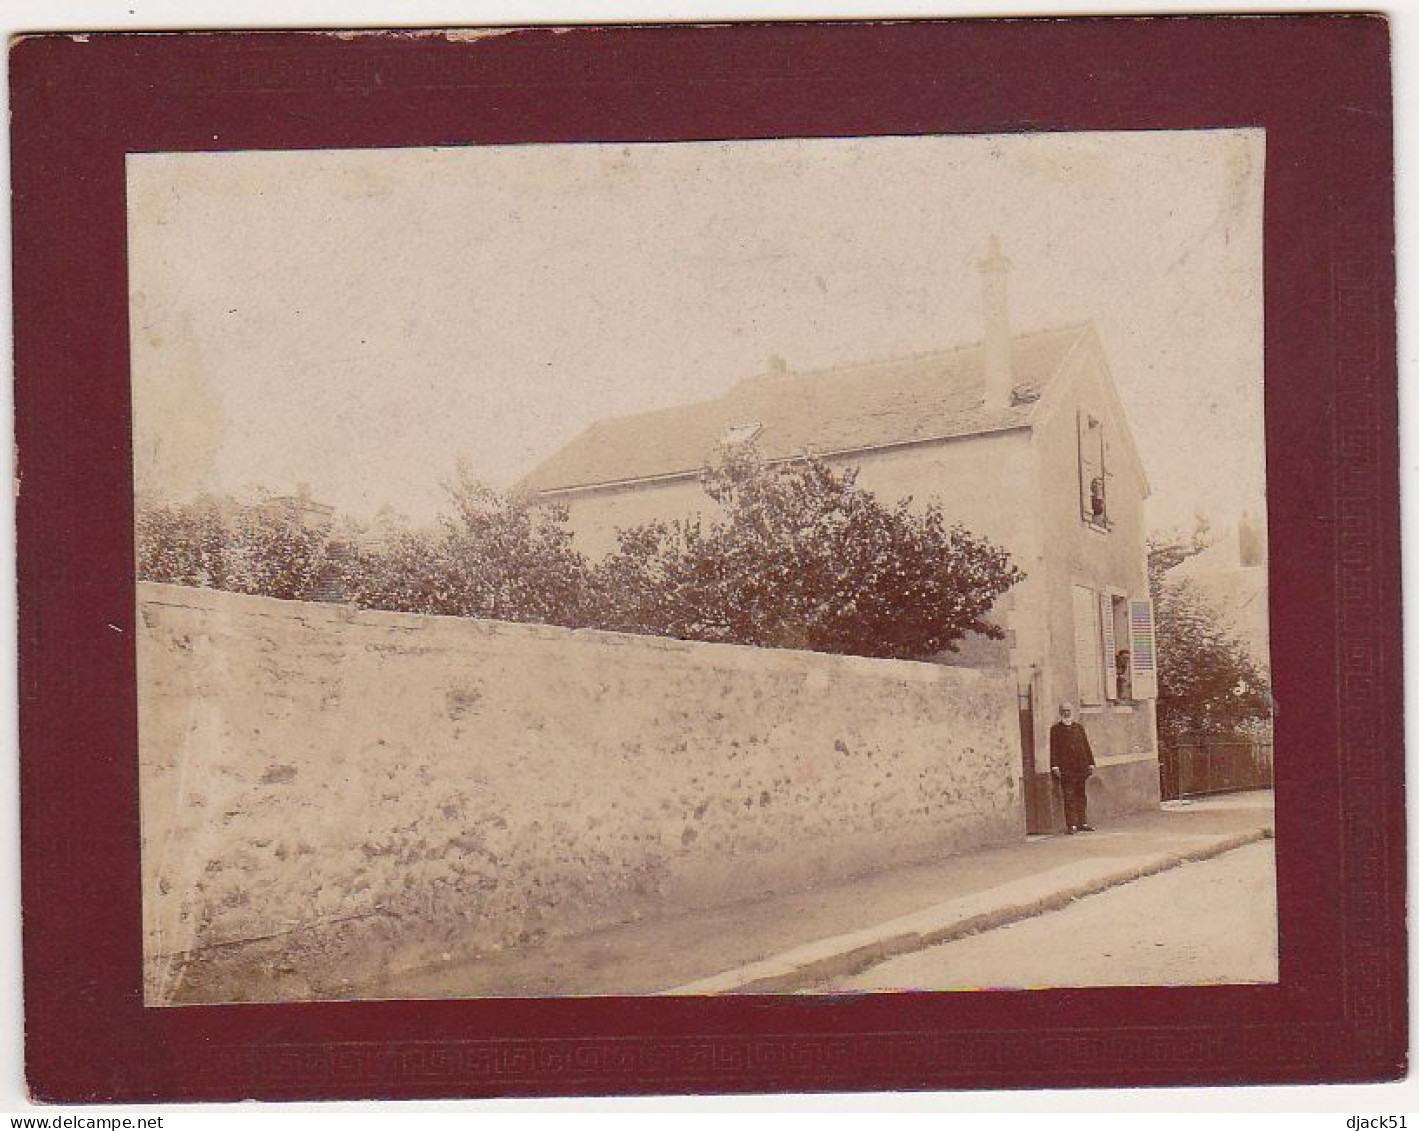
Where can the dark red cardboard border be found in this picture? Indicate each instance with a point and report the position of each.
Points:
(1320, 87)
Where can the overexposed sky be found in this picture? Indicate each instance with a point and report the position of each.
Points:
(359, 320)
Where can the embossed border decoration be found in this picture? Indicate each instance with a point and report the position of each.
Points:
(1319, 85)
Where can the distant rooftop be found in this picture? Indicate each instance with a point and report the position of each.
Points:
(926, 396)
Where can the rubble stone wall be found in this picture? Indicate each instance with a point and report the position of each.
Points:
(332, 795)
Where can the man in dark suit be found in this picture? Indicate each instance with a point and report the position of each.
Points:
(1071, 761)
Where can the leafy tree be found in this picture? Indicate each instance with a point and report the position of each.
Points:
(493, 556)
(273, 552)
(800, 557)
(804, 558)
(1208, 684)
(260, 547)
(184, 544)
(1171, 548)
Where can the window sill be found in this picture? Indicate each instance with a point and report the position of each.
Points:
(1128, 707)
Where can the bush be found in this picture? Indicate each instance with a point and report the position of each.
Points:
(182, 544)
(261, 547)
(804, 558)
(493, 556)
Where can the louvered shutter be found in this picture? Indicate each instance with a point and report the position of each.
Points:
(1086, 645)
(1108, 667)
(1145, 649)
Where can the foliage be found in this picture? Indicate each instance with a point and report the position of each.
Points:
(799, 557)
(260, 547)
(493, 556)
(1208, 684)
(804, 558)
(1173, 547)
(181, 543)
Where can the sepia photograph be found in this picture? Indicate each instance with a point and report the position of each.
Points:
(794, 566)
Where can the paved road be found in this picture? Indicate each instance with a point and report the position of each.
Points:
(1203, 923)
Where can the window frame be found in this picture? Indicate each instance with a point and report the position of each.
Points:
(1087, 423)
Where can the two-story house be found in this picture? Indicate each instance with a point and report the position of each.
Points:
(1021, 438)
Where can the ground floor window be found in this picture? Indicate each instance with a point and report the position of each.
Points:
(1115, 651)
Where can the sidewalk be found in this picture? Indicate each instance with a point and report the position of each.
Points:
(797, 939)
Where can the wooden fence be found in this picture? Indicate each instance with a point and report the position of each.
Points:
(1196, 769)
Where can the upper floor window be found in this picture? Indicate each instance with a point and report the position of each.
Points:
(1093, 471)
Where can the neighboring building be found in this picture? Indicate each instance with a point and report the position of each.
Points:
(1230, 577)
(302, 508)
(1020, 437)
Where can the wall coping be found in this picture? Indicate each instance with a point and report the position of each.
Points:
(154, 593)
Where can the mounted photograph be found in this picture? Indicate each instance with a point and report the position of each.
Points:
(794, 566)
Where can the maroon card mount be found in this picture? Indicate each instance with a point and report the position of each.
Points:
(1319, 86)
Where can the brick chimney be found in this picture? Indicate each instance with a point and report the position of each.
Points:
(999, 376)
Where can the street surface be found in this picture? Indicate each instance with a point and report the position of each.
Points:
(660, 953)
(1208, 922)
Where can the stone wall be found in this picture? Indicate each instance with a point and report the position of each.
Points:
(331, 795)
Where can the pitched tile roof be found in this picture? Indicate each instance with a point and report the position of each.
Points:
(904, 400)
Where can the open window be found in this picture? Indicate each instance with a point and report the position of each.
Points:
(1115, 651)
(1093, 473)
(1122, 647)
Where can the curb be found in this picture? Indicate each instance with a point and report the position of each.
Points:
(843, 955)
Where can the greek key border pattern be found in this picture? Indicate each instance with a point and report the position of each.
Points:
(1363, 711)
(706, 1061)
(276, 71)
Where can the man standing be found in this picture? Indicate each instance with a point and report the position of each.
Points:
(1071, 760)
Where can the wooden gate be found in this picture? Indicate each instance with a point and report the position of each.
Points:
(1037, 817)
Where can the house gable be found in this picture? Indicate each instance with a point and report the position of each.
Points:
(1087, 366)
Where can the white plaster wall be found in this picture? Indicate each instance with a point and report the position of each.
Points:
(1080, 554)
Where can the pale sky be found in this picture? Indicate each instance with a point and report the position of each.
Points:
(360, 320)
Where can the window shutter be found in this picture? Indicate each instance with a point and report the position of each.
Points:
(1104, 480)
(1086, 645)
(1085, 506)
(1109, 669)
(1145, 653)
